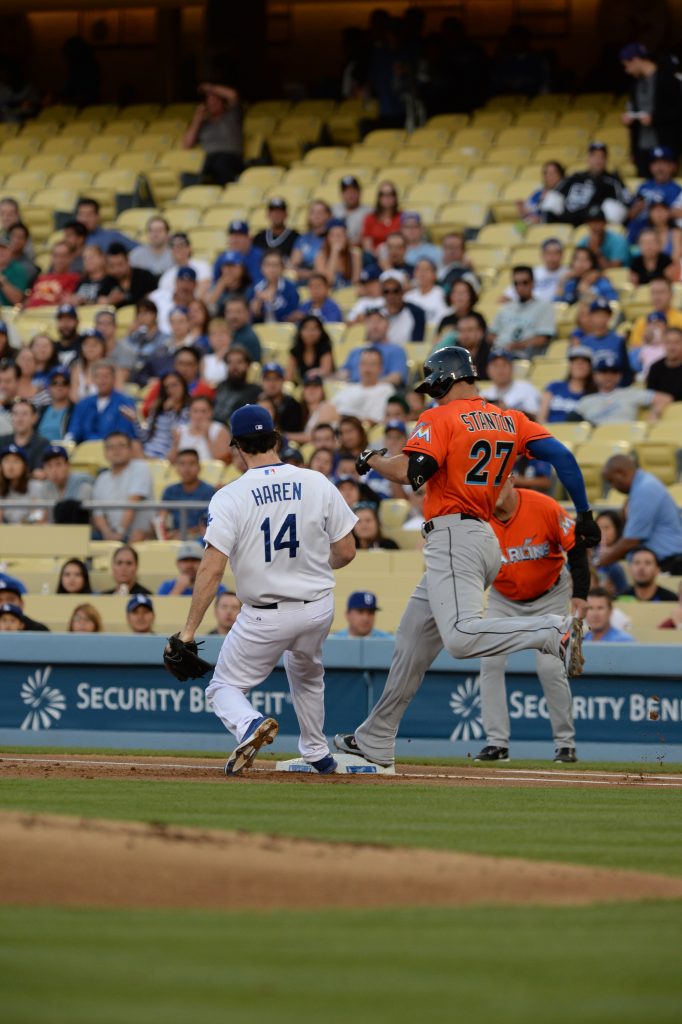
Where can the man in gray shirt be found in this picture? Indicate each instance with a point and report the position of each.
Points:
(217, 128)
(350, 208)
(611, 403)
(128, 479)
(155, 256)
(61, 483)
(525, 326)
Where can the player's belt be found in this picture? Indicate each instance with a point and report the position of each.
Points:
(527, 600)
(454, 517)
(275, 605)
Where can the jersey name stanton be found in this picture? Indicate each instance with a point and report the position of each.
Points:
(481, 419)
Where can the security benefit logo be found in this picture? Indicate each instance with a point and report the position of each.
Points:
(46, 703)
(465, 704)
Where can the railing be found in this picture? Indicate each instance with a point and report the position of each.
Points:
(183, 507)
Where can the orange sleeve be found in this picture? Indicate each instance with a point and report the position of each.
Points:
(527, 431)
(431, 435)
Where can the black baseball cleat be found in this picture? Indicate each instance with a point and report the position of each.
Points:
(565, 755)
(493, 754)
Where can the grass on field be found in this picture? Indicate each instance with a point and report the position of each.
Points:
(651, 766)
(611, 826)
(520, 965)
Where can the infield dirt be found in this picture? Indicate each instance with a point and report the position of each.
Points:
(67, 861)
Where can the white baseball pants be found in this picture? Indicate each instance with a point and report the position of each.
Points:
(251, 651)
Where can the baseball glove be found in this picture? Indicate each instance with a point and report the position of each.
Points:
(182, 659)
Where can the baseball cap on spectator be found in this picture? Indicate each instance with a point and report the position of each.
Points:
(581, 352)
(597, 145)
(186, 274)
(11, 584)
(362, 599)
(14, 449)
(410, 215)
(396, 425)
(180, 236)
(229, 259)
(290, 454)
(662, 153)
(55, 451)
(370, 273)
(595, 212)
(237, 227)
(633, 50)
(141, 601)
(401, 401)
(92, 332)
(250, 419)
(179, 309)
(13, 609)
(600, 306)
(349, 181)
(273, 368)
(335, 222)
(59, 371)
(659, 201)
(66, 309)
(657, 318)
(394, 275)
(312, 377)
(277, 203)
(188, 549)
(608, 364)
(500, 353)
(378, 311)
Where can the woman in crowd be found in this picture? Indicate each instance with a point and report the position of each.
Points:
(124, 566)
(561, 396)
(367, 530)
(209, 438)
(530, 209)
(322, 461)
(384, 218)
(93, 348)
(461, 302)
(199, 316)
(612, 577)
(651, 262)
(46, 358)
(26, 385)
(352, 435)
(213, 365)
(338, 260)
(178, 319)
(234, 282)
(585, 280)
(669, 236)
(316, 408)
(16, 483)
(170, 411)
(74, 578)
(427, 294)
(95, 267)
(85, 619)
(311, 351)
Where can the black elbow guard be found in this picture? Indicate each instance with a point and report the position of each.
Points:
(579, 569)
(420, 468)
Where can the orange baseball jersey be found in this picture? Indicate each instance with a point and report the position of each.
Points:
(475, 445)
(532, 542)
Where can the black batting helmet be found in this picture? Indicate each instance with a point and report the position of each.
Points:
(443, 368)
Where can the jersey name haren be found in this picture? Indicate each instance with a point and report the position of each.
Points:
(480, 420)
(269, 493)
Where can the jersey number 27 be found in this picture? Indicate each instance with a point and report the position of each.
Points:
(285, 539)
(482, 451)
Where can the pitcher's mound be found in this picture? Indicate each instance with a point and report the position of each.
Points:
(66, 861)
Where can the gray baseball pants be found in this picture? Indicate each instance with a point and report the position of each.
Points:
(550, 670)
(446, 610)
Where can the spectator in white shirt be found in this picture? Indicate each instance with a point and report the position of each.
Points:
(350, 208)
(407, 321)
(369, 292)
(181, 251)
(524, 326)
(506, 392)
(427, 293)
(366, 400)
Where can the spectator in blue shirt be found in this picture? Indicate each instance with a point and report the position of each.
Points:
(275, 299)
(561, 397)
(88, 214)
(599, 607)
(652, 520)
(585, 279)
(531, 209)
(393, 356)
(603, 342)
(611, 249)
(188, 560)
(107, 412)
(189, 488)
(307, 245)
(319, 304)
(659, 188)
(238, 241)
(361, 611)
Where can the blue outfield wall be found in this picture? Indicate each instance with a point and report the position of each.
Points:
(109, 690)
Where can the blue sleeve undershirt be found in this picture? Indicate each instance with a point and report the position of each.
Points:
(567, 469)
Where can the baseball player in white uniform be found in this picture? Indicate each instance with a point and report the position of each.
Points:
(284, 530)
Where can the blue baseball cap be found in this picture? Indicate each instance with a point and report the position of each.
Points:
(237, 227)
(59, 371)
(410, 215)
(364, 599)
(14, 449)
(600, 306)
(66, 309)
(55, 451)
(179, 309)
(335, 222)
(186, 274)
(13, 609)
(608, 363)
(633, 50)
(370, 273)
(229, 259)
(662, 153)
(274, 368)
(396, 425)
(500, 353)
(250, 419)
(597, 144)
(92, 332)
(657, 318)
(12, 583)
(140, 601)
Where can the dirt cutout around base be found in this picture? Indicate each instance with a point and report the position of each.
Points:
(67, 861)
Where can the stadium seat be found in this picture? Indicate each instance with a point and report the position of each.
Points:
(542, 119)
(188, 161)
(431, 138)
(48, 163)
(58, 199)
(539, 233)
(393, 512)
(495, 119)
(308, 177)
(93, 163)
(477, 191)
(476, 138)
(261, 177)
(139, 162)
(25, 181)
(520, 135)
(200, 196)
(30, 542)
(633, 432)
(10, 162)
(132, 126)
(448, 122)
(658, 458)
(293, 194)
(20, 147)
(498, 235)
(325, 156)
(136, 218)
(433, 192)
(78, 181)
(390, 137)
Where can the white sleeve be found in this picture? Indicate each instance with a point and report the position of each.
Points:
(340, 518)
(220, 531)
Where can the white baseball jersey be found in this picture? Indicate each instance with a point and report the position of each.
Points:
(276, 524)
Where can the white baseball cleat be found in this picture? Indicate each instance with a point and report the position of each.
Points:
(260, 732)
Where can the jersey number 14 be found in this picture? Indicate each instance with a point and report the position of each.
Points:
(285, 539)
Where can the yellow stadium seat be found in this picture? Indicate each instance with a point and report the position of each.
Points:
(370, 156)
(477, 138)
(110, 144)
(317, 108)
(498, 235)
(138, 162)
(221, 215)
(365, 173)
(567, 135)
(261, 177)
(269, 108)
(76, 130)
(98, 112)
(303, 128)
(326, 156)
(589, 101)
(465, 214)
(487, 257)
(238, 194)
(207, 238)
(200, 196)
(431, 138)
(539, 233)
(182, 218)
(402, 177)
(520, 135)
(633, 432)
(448, 122)
(78, 181)
(572, 434)
(151, 142)
(20, 147)
(58, 113)
(183, 111)
(496, 119)
(308, 177)
(416, 157)
(11, 162)
(8, 131)
(614, 136)
(48, 163)
(550, 101)
(93, 163)
(119, 181)
(62, 199)
(432, 192)
(393, 512)
(129, 127)
(136, 218)
(174, 126)
(293, 194)
(189, 161)
(275, 337)
(536, 119)
(564, 154)
(581, 118)
(391, 137)
(446, 173)
(477, 191)
(26, 181)
(659, 459)
(140, 111)
(672, 413)
(471, 156)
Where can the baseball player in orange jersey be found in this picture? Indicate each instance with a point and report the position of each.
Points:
(533, 532)
(463, 450)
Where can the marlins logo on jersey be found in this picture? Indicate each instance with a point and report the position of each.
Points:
(422, 432)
